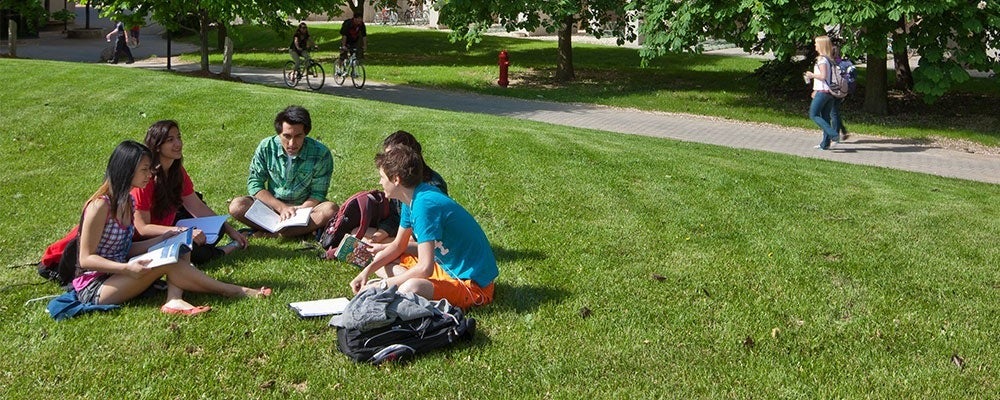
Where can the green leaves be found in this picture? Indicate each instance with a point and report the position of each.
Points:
(957, 32)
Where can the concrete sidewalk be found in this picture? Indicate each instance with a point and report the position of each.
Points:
(53, 45)
(860, 149)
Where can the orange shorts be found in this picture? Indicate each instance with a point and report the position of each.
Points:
(461, 293)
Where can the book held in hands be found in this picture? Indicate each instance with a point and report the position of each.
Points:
(262, 215)
(354, 251)
(168, 251)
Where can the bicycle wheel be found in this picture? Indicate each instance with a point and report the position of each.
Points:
(358, 75)
(289, 74)
(315, 76)
(393, 17)
(107, 54)
(340, 74)
(407, 17)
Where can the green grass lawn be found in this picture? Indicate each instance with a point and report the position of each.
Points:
(709, 271)
(696, 84)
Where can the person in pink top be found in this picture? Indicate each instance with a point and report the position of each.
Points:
(105, 275)
(157, 203)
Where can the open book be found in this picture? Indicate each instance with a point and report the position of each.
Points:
(353, 251)
(211, 226)
(318, 308)
(167, 251)
(266, 218)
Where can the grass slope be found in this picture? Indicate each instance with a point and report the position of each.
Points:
(685, 83)
(707, 271)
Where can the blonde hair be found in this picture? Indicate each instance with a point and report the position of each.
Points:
(824, 46)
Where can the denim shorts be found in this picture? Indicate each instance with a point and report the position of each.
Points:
(92, 292)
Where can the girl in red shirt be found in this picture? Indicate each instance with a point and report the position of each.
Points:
(170, 191)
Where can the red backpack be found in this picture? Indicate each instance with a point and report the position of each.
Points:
(49, 266)
(361, 210)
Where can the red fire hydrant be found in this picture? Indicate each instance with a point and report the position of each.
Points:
(504, 63)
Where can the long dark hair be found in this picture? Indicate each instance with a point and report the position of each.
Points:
(118, 176)
(167, 196)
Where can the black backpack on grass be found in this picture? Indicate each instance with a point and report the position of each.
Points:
(402, 340)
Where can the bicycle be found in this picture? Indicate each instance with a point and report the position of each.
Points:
(386, 16)
(353, 66)
(414, 16)
(313, 72)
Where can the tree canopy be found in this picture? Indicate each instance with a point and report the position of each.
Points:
(181, 14)
(950, 36)
(469, 19)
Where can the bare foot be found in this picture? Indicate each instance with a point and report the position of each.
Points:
(263, 292)
(178, 304)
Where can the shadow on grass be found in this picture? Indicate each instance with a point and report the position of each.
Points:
(523, 299)
(508, 255)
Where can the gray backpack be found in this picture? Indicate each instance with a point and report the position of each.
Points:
(839, 87)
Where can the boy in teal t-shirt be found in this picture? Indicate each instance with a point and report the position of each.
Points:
(454, 260)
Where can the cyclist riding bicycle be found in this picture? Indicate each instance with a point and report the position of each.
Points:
(354, 37)
(299, 47)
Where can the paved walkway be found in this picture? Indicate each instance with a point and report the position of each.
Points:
(865, 150)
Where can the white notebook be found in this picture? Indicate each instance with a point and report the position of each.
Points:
(319, 308)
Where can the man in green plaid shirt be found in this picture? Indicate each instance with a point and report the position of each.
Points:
(289, 171)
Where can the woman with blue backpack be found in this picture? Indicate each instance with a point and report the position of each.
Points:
(824, 109)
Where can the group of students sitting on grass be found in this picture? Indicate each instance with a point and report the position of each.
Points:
(146, 187)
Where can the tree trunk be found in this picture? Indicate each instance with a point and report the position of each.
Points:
(223, 32)
(203, 36)
(227, 57)
(357, 8)
(86, 13)
(564, 65)
(876, 87)
(12, 38)
(901, 58)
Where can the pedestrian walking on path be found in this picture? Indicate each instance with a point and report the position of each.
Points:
(122, 37)
(824, 109)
